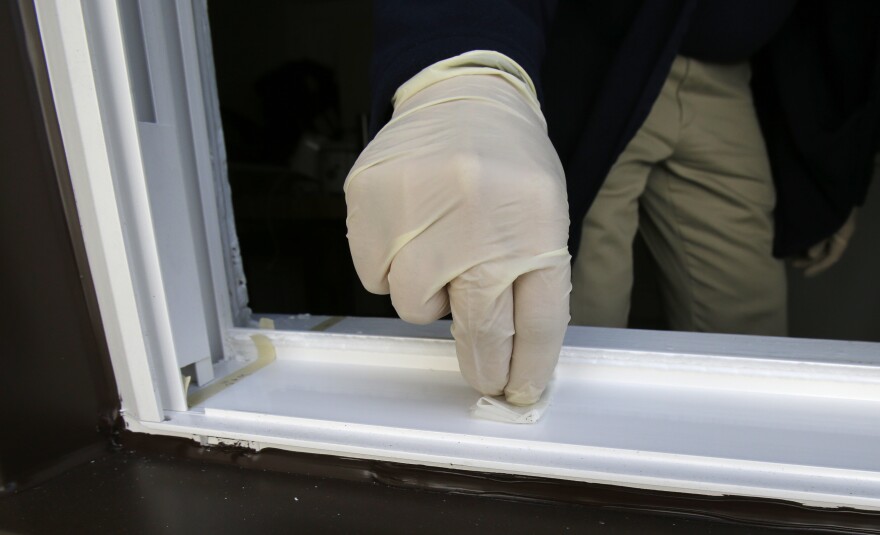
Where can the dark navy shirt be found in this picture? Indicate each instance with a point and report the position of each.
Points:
(727, 31)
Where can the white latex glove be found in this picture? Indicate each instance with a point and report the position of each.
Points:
(459, 203)
(827, 252)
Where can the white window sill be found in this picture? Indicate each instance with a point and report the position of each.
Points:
(700, 414)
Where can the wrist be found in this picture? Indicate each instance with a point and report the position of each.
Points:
(484, 62)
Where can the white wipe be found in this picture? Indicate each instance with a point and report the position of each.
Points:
(497, 409)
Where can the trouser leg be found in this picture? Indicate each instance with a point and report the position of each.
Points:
(708, 213)
(602, 274)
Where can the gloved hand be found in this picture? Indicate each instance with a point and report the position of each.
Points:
(827, 252)
(460, 203)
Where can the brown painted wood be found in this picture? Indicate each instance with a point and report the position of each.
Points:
(136, 492)
(55, 391)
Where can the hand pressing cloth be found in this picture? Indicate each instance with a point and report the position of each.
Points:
(496, 408)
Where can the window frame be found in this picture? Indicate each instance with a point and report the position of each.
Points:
(93, 94)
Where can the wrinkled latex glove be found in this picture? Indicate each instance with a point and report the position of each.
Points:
(827, 252)
(459, 204)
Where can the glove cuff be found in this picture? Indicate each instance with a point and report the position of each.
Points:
(473, 62)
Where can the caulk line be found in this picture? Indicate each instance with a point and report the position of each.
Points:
(265, 356)
(327, 323)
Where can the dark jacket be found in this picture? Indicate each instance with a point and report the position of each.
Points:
(599, 66)
(817, 90)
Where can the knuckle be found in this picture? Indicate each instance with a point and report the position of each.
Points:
(411, 310)
(370, 273)
(414, 315)
(375, 287)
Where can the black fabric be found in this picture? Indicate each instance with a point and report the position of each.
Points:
(606, 63)
(410, 36)
(817, 88)
(725, 31)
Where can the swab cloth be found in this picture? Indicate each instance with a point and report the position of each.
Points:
(497, 409)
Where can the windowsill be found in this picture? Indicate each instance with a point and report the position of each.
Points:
(703, 414)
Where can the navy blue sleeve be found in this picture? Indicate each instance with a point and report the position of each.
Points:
(409, 36)
(817, 92)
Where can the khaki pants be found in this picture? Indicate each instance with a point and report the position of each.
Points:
(695, 181)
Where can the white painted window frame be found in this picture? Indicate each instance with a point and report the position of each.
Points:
(105, 147)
